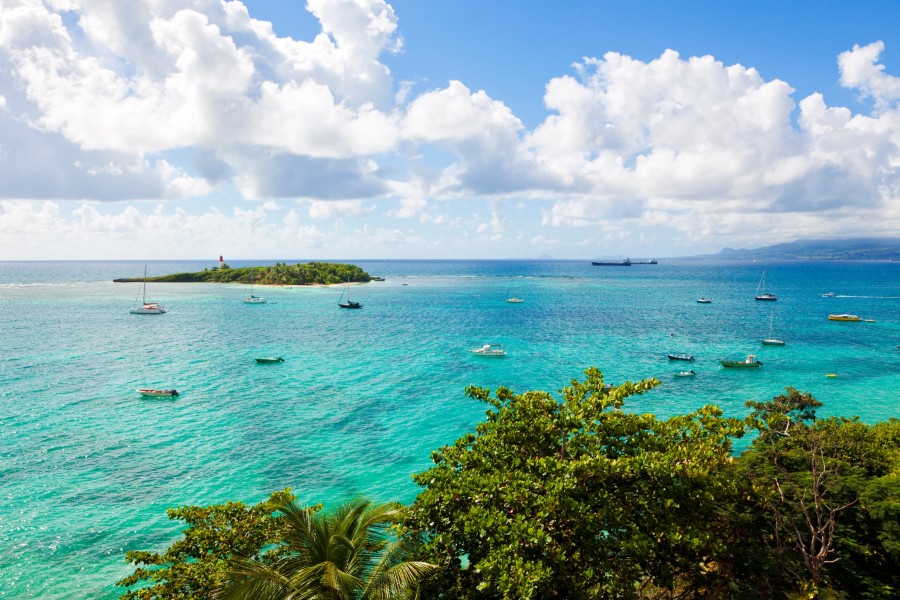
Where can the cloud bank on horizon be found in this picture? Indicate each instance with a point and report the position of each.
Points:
(187, 125)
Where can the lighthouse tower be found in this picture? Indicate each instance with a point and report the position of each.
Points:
(221, 261)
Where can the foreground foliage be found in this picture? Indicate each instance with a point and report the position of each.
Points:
(576, 499)
(195, 565)
(344, 554)
(313, 273)
(829, 490)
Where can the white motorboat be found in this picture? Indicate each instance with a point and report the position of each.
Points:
(490, 350)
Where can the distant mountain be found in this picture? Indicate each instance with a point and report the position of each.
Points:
(855, 249)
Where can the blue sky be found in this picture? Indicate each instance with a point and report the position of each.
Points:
(410, 129)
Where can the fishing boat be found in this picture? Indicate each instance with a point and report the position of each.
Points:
(702, 300)
(349, 303)
(157, 393)
(251, 299)
(489, 350)
(269, 360)
(145, 308)
(844, 317)
(772, 341)
(625, 262)
(690, 373)
(749, 362)
(688, 357)
(762, 286)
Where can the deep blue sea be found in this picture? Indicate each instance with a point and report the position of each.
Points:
(88, 467)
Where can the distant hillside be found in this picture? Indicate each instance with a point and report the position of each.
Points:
(856, 249)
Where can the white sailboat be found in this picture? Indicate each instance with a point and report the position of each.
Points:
(145, 308)
(772, 341)
(513, 299)
(251, 299)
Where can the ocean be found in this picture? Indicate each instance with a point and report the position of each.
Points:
(88, 466)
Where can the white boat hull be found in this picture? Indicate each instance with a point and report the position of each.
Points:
(489, 350)
(148, 310)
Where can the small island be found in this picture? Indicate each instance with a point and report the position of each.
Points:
(312, 273)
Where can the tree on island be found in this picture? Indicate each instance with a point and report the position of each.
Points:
(313, 273)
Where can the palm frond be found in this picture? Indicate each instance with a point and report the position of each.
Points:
(251, 580)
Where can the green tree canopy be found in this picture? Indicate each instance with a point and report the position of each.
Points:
(576, 498)
(195, 565)
(312, 273)
(829, 490)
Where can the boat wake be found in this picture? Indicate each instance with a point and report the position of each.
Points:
(869, 297)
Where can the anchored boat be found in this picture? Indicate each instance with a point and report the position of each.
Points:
(749, 362)
(762, 286)
(490, 350)
(158, 393)
(145, 308)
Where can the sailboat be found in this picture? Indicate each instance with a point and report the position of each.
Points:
(771, 341)
(762, 286)
(145, 308)
(513, 299)
(251, 299)
(349, 303)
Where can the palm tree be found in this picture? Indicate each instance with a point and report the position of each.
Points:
(344, 554)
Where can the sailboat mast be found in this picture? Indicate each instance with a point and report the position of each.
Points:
(144, 286)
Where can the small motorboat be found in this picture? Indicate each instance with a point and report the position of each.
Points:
(158, 393)
(827, 295)
(749, 362)
(269, 360)
(844, 317)
(690, 373)
(688, 357)
(490, 350)
(702, 300)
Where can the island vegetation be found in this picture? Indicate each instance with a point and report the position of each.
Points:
(312, 273)
(577, 498)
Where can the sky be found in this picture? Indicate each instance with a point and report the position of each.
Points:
(366, 129)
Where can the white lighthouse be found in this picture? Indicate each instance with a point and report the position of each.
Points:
(221, 261)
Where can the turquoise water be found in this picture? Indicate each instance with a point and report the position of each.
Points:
(88, 467)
